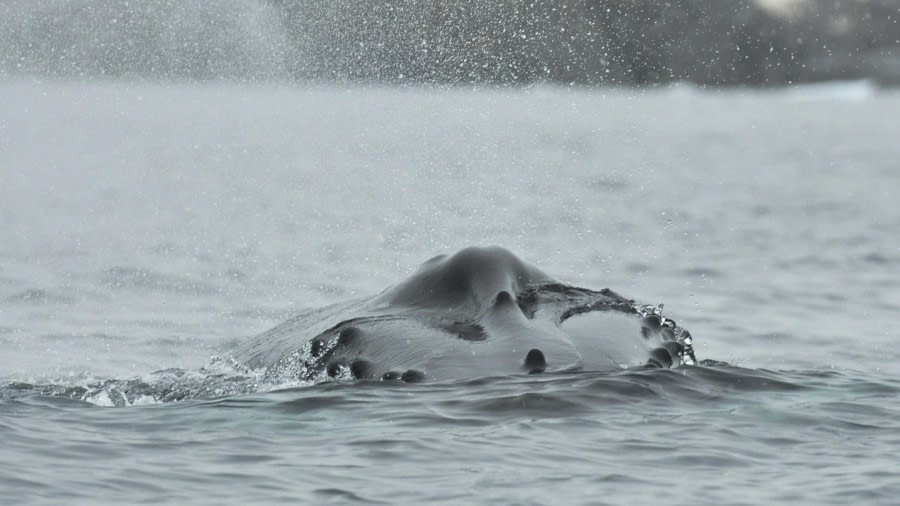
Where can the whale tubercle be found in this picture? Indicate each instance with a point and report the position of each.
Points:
(535, 362)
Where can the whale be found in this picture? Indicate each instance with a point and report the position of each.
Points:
(479, 312)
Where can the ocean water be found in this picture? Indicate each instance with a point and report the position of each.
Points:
(149, 227)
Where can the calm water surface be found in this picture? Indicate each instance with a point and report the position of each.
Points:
(148, 227)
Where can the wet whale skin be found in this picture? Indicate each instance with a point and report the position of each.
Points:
(479, 312)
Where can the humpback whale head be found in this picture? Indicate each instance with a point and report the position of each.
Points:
(479, 312)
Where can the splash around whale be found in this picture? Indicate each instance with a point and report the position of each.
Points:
(479, 312)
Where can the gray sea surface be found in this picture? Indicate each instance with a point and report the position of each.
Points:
(148, 227)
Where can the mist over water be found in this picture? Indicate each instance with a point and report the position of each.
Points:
(459, 42)
(152, 38)
(178, 177)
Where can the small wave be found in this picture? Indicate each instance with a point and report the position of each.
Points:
(460, 402)
(38, 295)
(548, 395)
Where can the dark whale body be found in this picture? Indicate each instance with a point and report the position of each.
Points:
(479, 312)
